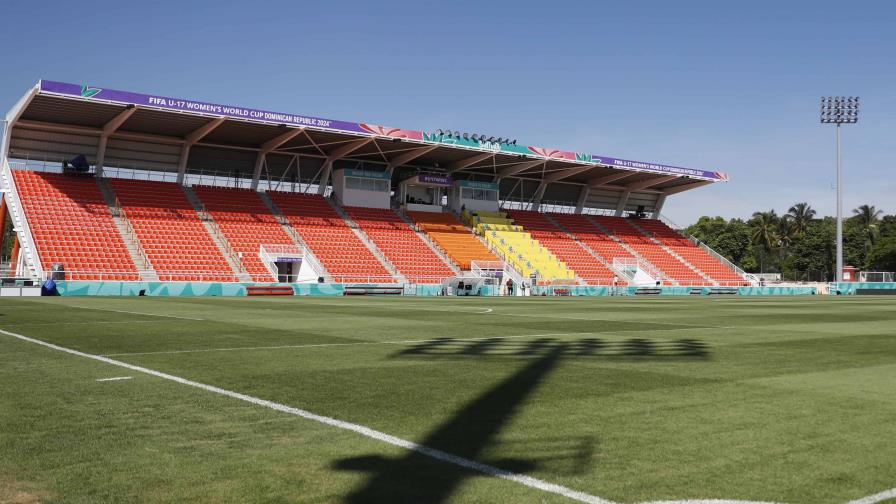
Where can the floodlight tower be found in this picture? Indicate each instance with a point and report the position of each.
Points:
(839, 110)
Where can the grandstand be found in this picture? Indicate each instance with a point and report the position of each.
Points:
(453, 238)
(185, 191)
(338, 246)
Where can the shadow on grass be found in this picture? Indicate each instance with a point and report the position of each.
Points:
(586, 347)
(416, 477)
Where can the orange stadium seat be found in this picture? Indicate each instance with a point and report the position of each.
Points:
(326, 233)
(453, 237)
(650, 250)
(71, 224)
(586, 266)
(175, 240)
(699, 258)
(397, 240)
(246, 223)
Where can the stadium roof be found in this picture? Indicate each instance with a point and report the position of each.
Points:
(57, 120)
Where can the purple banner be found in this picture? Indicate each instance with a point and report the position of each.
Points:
(213, 109)
(428, 178)
(197, 106)
(653, 167)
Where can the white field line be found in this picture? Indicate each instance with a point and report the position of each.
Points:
(508, 314)
(706, 501)
(399, 342)
(63, 322)
(396, 441)
(359, 429)
(879, 497)
(132, 312)
(115, 378)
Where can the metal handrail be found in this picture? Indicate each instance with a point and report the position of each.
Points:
(132, 233)
(680, 230)
(20, 212)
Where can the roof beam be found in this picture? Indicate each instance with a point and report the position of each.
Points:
(623, 201)
(340, 152)
(109, 128)
(606, 179)
(583, 197)
(86, 130)
(116, 122)
(409, 156)
(12, 118)
(658, 206)
(200, 132)
(281, 139)
(517, 168)
(467, 162)
(191, 138)
(644, 184)
(539, 193)
(685, 187)
(348, 148)
(267, 147)
(567, 172)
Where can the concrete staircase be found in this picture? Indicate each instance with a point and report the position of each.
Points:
(287, 227)
(381, 257)
(431, 244)
(128, 235)
(582, 244)
(217, 236)
(671, 252)
(498, 253)
(665, 277)
(20, 223)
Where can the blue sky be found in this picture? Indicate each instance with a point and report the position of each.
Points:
(715, 85)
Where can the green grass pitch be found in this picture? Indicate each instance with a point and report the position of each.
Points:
(626, 400)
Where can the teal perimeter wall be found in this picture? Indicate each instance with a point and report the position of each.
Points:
(849, 288)
(603, 290)
(102, 288)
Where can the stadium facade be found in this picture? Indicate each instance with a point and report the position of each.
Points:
(116, 187)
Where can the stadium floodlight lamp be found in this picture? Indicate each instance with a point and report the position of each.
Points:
(839, 110)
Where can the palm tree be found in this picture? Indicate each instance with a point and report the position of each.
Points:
(764, 232)
(800, 215)
(785, 231)
(867, 214)
(764, 229)
(868, 217)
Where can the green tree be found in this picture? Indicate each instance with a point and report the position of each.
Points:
(763, 236)
(887, 226)
(813, 256)
(867, 217)
(882, 256)
(801, 214)
(729, 238)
